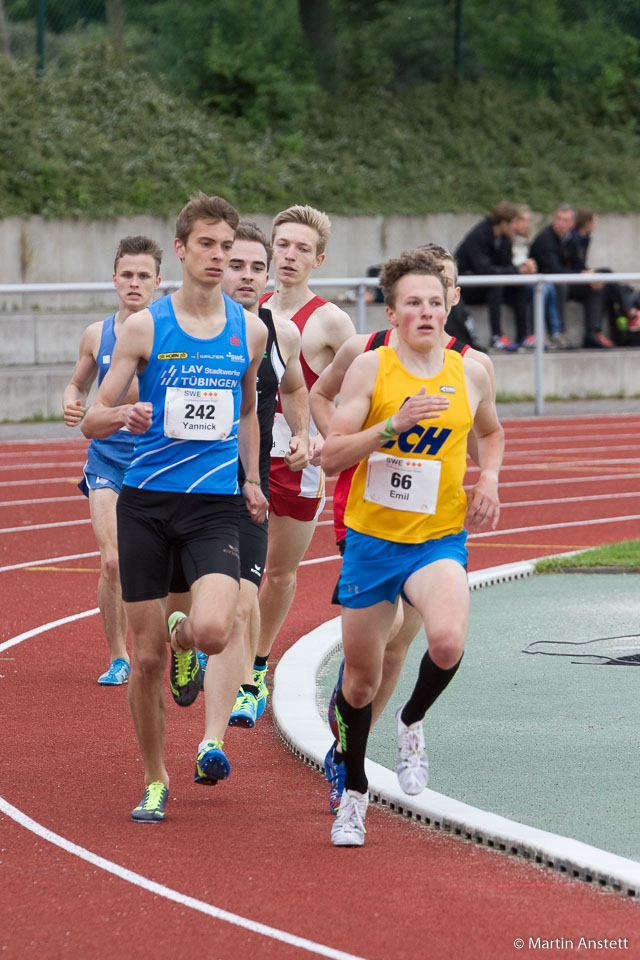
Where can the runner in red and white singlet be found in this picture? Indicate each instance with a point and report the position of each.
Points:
(299, 237)
(298, 495)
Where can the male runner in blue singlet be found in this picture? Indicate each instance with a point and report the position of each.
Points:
(280, 371)
(196, 354)
(135, 277)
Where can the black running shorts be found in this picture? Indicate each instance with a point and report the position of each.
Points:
(253, 553)
(201, 528)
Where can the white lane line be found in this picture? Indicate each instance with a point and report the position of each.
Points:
(604, 497)
(336, 556)
(534, 503)
(560, 422)
(555, 526)
(503, 532)
(23, 483)
(572, 437)
(273, 933)
(306, 563)
(45, 627)
(594, 478)
(135, 878)
(41, 563)
(73, 444)
(549, 464)
(45, 526)
(537, 455)
(30, 503)
(41, 466)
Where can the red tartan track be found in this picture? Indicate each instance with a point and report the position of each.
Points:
(258, 845)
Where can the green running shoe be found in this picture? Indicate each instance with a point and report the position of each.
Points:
(151, 807)
(185, 676)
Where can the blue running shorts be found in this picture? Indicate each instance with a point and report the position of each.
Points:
(98, 473)
(374, 570)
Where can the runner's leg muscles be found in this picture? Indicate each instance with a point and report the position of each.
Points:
(287, 545)
(405, 627)
(102, 505)
(440, 592)
(213, 603)
(146, 695)
(364, 634)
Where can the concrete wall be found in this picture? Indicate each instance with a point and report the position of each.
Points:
(39, 335)
(39, 351)
(34, 250)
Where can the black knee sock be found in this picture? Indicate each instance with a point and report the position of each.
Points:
(353, 726)
(430, 683)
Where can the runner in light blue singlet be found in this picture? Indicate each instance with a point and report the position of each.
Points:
(204, 375)
(109, 457)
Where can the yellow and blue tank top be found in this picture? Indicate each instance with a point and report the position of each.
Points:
(437, 448)
(199, 371)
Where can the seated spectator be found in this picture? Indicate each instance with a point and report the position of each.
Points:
(486, 249)
(554, 251)
(520, 247)
(618, 298)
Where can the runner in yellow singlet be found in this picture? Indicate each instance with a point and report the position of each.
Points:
(404, 415)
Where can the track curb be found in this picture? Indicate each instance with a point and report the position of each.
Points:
(301, 727)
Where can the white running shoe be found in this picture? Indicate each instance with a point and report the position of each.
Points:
(413, 766)
(348, 828)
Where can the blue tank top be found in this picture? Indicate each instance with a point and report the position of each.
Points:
(194, 386)
(118, 448)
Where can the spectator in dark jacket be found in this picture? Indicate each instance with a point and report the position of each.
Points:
(617, 298)
(555, 251)
(487, 250)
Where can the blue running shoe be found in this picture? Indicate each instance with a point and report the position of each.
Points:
(203, 660)
(151, 807)
(244, 710)
(260, 680)
(335, 775)
(117, 674)
(211, 763)
(331, 709)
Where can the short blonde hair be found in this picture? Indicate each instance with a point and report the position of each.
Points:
(309, 217)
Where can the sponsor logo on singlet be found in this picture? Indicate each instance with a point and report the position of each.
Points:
(172, 356)
(198, 375)
(418, 439)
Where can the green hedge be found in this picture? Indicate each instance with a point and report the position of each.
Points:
(87, 142)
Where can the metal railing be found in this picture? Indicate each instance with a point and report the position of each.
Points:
(360, 285)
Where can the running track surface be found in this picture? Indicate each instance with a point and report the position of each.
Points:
(258, 845)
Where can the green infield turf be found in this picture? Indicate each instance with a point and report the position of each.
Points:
(541, 722)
